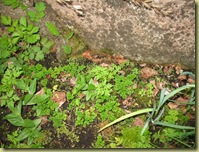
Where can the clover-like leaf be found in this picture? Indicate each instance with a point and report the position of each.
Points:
(6, 20)
(40, 7)
(23, 21)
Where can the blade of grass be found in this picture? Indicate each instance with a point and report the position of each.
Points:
(173, 126)
(160, 114)
(161, 98)
(188, 73)
(173, 93)
(127, 116)
(145, 125)
(181, 142)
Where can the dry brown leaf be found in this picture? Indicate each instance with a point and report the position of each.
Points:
(135, 86)
(118, 56)
(173, 105)
(41, 92)
(63, 79)
(176, 85)
(96, 60)
(167, 70)
(81, 95)
(63, 74)
(73, 81)
(182, 77)
(182, 100)
(120, 59)
(53, 49)
(44, 120)
(178, 69)
(105, 65)
(161, 85)
(122, 72)
(138, 122)
(143, 65)
(87, 55)
(59, 97)
(191, 80)
(148, 72)
(127, 102)
(95, 82)
(48, 76)
(155, 90)
(190, 115)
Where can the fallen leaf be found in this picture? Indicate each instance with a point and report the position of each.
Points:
(161, 85)
(182, 100)
(190, 115)
(148, 72)
(178, 69)
(193, 108)
(96, 60)
(127, 102)
(95, 82)
(87, 55)
(9, 63)
(105, 65)
(135, 86)
(173, 105)
(155, 90)
(120, 59)
(73, 81)
(63, 79)
(59, 97)
(175, 84)
(41, 92)
(44, 120)
(143, 65)
(167, 70)
(182, 77)
(48, 76)
(191, 80)
(81, 95)
(53, 49)
(138, 122)
(118, 56)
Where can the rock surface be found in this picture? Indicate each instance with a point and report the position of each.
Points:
(151, 31)
(134, 31)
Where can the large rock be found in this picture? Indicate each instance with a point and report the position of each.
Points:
(138, 33)
(159, 32)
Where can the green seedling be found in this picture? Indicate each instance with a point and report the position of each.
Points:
(38, 14)
(14, 4)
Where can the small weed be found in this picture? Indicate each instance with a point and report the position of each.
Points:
(14, 4)
(57, 118)
(124, 85)
(99, 143)
(38, 13)
(131, 138)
